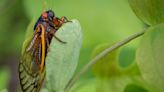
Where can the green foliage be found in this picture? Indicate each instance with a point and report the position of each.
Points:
(44, 90)
(4, 90)
(149, 11)
(62, 59)
(4, 77)
(39, 7)
(126, 56)
(150, 53)
(85, 86)
(113, 84)
(134, 88)
(106, 67)
(13, 25)
(150, 57)
(111, 77)
(102, 22)
(119, 84)
(111, 65)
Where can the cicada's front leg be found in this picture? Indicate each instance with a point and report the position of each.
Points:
(59, 39)
(51, 33)
(64, 19)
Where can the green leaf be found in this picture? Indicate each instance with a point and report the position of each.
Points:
(107, 66)
(4, 90)
(44, 90)
(62, 59)
(134, 88)
(149, 11)
(126, 56)
(111, 65)
(112, 77)
(87, 85)
(4, 78)
(150, 57)
(114, 84)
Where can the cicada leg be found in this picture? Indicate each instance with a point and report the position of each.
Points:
(52, 32)
(64, 19)
(59, 39)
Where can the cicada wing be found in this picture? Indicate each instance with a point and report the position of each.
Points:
(31, 78)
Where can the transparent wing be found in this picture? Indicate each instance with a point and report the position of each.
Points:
(30, 76)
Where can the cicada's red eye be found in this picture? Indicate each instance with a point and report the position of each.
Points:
(44, 15)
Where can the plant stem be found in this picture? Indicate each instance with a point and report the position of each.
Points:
(101, 55)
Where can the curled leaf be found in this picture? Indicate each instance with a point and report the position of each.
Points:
(150, 57)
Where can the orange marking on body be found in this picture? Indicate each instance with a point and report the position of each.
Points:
(43, 47)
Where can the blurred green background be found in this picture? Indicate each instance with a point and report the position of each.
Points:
(103, 23)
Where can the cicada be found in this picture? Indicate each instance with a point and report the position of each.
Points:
(32, 62)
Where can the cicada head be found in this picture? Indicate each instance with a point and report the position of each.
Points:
(46, 16)
(50, 15)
